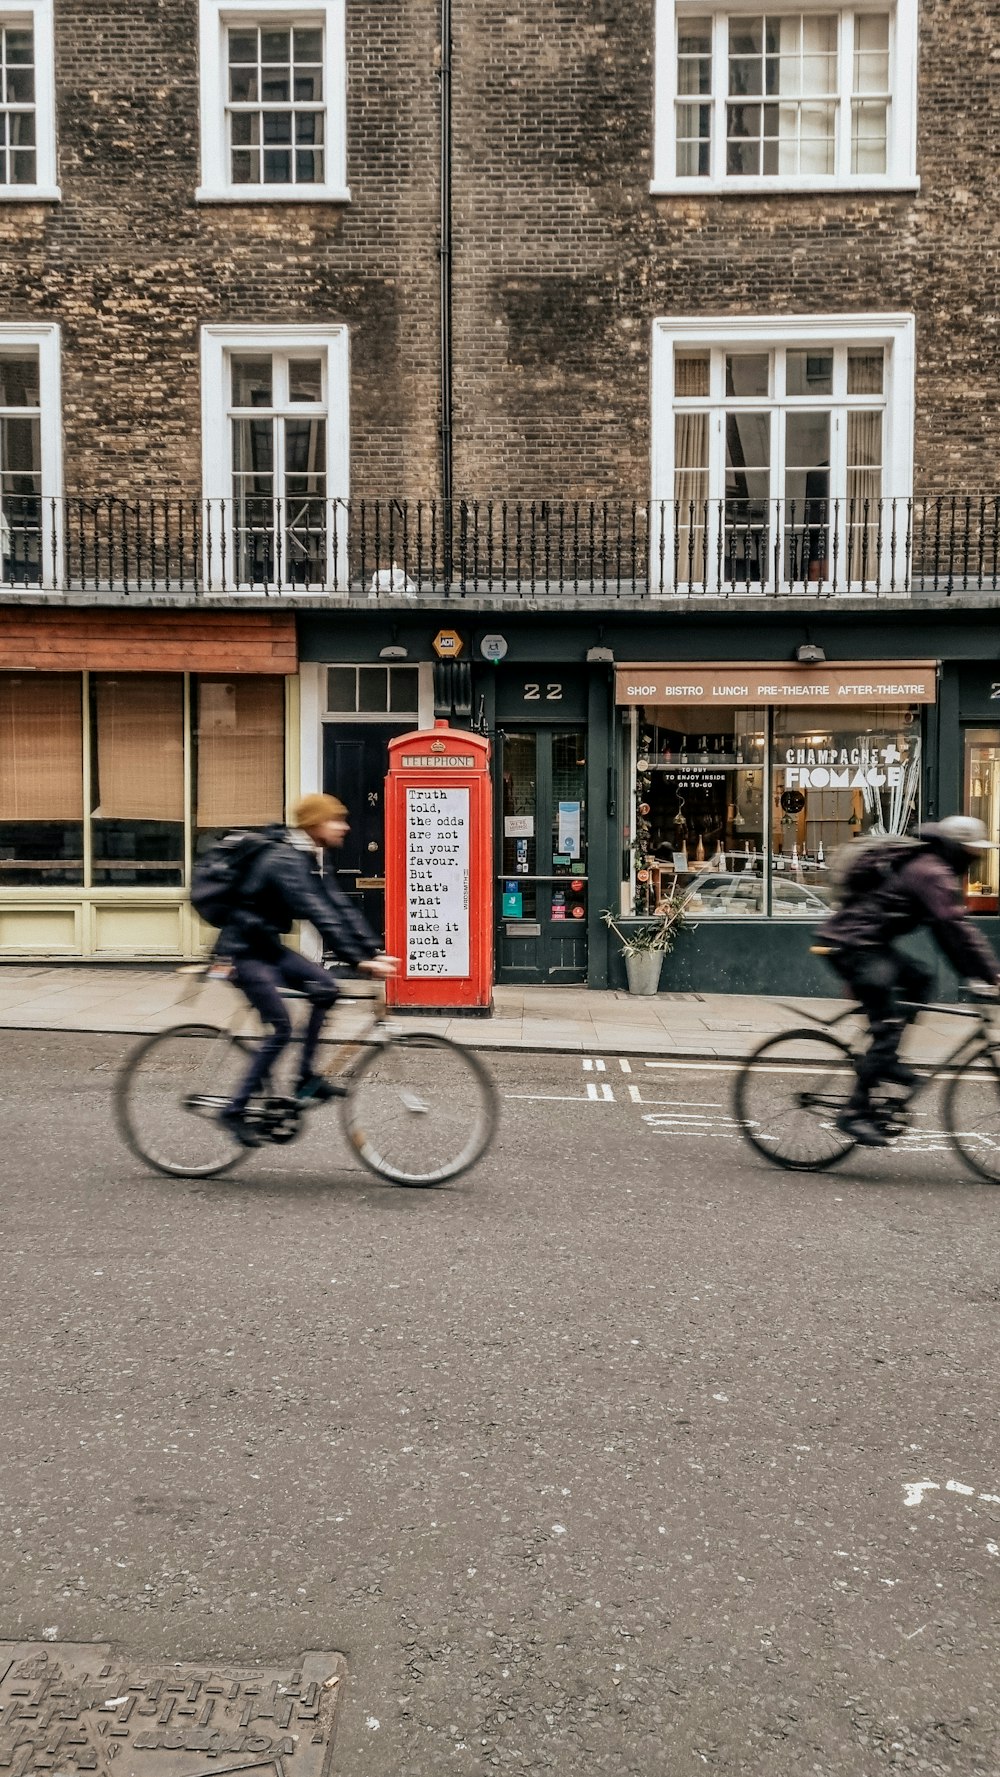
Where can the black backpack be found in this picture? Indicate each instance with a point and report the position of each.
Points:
(859, 869)
(219, 881)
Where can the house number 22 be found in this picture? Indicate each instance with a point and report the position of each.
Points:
(533, 693)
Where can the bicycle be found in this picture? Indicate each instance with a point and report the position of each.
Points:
(791, 1090)
(416, 1108)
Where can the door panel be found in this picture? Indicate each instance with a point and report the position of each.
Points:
(355, 761)
(542, 848)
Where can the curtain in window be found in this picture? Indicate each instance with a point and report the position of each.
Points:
(138, 761)
(691, 492)
(241, 752)
(864, 493)
(41, 747)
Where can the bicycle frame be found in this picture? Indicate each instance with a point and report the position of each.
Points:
(984, 1036)
(378, 1029)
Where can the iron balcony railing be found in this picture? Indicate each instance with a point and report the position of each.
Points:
(600, 549)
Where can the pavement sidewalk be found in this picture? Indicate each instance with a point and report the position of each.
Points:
(569, 1020)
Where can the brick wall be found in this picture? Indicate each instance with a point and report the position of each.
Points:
(562, 256)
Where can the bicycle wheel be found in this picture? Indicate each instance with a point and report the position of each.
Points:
(972, 1114)
(787, 1098)
(168, 1096)
(420, 1109)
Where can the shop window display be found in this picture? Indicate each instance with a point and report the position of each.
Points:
(982, 799)
(744, 808)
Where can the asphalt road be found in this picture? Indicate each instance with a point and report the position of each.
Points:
(623, 1455)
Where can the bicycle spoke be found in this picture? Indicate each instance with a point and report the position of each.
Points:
(169, 1096)
(972, 1115)
(788, 1097)
(421, 1110)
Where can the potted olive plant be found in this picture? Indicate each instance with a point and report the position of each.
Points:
(644, 947)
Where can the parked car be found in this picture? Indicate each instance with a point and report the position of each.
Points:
(728, 894)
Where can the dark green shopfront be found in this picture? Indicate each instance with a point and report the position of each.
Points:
(726, 752)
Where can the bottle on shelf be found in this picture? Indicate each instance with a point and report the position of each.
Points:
(704, 749)
(820, 856)
(779, 862)
(684, 749)
(699, 851)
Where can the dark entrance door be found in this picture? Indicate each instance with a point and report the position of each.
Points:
(355, 761)
(542, 854)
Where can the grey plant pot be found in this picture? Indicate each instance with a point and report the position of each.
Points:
(643, 971)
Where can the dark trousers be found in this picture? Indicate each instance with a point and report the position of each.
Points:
(882, 979)
(262, 983)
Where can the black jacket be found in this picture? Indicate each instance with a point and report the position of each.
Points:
(285, 884)
(925, 891)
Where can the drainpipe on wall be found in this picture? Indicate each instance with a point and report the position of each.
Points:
(444, 254)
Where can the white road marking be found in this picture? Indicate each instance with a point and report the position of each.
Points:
(603, 1093)
(594, 1067)
(635, 1095)
(626, 1066)
(913, 1492)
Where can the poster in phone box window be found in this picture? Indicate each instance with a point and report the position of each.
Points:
(437, 882)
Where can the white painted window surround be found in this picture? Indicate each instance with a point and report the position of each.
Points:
(31, 529)
(716, 15)
(35, 16)
(215, 19)
(703, 500)
(285, 346)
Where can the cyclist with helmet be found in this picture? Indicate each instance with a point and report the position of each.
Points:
(921, 888)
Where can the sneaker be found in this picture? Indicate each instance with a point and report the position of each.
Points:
(239, 1128)
(863, 1129)
(317, 1089)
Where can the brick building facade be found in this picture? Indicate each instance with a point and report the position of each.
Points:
(674, 235)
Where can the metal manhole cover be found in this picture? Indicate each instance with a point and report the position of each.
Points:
(85, 1707)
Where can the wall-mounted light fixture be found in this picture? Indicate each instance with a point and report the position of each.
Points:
(810, 654)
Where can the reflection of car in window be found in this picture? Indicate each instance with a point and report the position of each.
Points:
(723, 893)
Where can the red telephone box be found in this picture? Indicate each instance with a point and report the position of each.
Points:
(439, 870)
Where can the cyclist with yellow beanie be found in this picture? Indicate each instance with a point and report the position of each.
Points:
(284, 883)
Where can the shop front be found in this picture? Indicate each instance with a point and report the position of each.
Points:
(745, 780)
(128, 743)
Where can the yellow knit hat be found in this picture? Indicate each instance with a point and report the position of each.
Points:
(312, 811)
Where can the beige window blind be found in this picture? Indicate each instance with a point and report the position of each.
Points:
(241, 751)
(41, 747)
(139, 756)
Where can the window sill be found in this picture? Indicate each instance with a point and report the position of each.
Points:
(29, 194)
(274, 194)
(785, 187)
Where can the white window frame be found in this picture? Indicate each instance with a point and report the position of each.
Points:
(214, 19)
(45, 339)
(900, 174)
(894, 332)
(38, 13)
(217, 343)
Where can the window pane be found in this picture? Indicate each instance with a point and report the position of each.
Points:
(277, 167)
(19, 381)
(871, 53)
(748, 373)
(243, 47)
(982, 801)
(20, 86)
(694, 126)
(691, 373)
(308, 44)
(305, 379)
(243, 85)
(240, 759)
(700, 808)
(869, 136)
(373, 689)
(690, 497)
(403, 689)
(342, 688)
(808, 373)
(251, 381)
(822, 794)
(276, 46)
(865, 368)
(41, 779)
(138, 779)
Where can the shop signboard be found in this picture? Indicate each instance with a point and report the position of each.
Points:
(869, 682)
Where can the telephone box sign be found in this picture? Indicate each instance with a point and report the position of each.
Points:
(437, 877)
